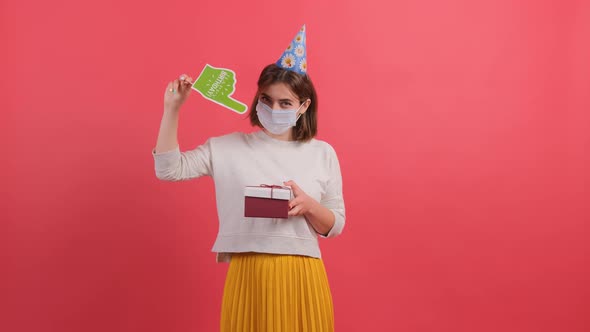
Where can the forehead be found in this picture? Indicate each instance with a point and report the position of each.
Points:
(279, 91)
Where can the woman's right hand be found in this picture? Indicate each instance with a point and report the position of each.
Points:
(176, 92)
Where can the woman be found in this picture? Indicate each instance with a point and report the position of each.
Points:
(276, 280)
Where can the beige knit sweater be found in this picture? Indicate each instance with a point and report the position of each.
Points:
(238, 160)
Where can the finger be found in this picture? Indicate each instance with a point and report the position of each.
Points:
(181, 86)
(294, 202)
(185, 79)
(185, 88)
(292, 183)
(295, 211)
(176, 85)
(169, 87)
(294, 187)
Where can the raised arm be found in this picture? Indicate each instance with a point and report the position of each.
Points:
(175, 95)
(170, 163)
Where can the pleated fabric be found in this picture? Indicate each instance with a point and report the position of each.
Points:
(278, 293)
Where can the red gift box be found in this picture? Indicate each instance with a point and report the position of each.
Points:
(267, 201)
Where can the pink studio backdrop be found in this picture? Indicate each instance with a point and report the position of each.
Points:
(462, 128)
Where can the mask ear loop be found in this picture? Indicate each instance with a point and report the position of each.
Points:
(300, 114)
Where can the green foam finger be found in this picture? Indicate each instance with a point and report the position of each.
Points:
(217, 85)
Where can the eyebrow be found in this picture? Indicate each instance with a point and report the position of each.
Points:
(281, 100)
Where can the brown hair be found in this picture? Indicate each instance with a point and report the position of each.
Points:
(301, 85)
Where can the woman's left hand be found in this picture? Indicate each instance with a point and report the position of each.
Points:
(302, 203)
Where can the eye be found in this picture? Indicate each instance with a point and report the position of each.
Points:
(263, 98)
(286, 104)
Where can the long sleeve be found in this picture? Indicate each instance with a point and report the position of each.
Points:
(174, 165)
(333, 198)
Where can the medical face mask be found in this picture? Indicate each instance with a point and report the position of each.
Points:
(276, 121)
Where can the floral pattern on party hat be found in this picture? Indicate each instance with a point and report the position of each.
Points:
(295, 56)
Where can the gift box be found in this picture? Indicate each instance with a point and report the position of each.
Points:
(267, 201)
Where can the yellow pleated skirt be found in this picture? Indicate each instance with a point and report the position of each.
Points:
(278, 293)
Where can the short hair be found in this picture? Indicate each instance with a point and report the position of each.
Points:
(302, 87)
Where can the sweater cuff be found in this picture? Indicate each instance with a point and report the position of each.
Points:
(165, 161)
(337, 227)
(168, 153)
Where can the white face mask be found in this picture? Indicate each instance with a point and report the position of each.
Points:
(276, 121)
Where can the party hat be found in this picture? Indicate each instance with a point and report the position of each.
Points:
(295, 56)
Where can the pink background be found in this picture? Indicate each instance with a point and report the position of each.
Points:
(462, 128)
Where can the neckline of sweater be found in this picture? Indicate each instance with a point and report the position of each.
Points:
(265, 137)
